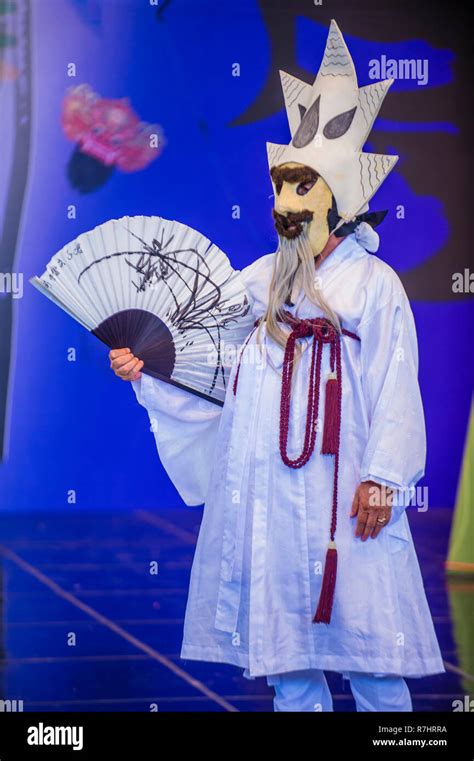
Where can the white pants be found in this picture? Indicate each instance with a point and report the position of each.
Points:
(308, 691)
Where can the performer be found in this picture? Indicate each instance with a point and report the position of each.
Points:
(305, 560)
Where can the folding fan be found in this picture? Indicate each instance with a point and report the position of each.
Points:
(160, 288)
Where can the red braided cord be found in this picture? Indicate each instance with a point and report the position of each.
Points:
(292, 320)
(312, 405)
(336, 456)
(323, 332)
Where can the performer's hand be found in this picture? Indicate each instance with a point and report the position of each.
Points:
(372, 504)
(125, 365)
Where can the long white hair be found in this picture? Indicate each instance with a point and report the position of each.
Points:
(293, 255)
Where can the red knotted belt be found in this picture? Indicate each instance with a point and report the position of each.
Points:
(323, 332)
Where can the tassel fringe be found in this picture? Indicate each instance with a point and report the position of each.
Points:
(332, 421)
(326, 598)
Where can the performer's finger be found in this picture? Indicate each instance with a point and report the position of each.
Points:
(378, 528)
(355, 504)
(387, 514)
(361, 521)
(370, 525)
(136, 370)
(114, 353)
(120, 362)
(129, 367)
(136, 374)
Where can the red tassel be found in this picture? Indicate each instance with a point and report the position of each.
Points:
(332, 421)
(326, 598)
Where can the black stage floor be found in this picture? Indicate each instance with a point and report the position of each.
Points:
(85, 627)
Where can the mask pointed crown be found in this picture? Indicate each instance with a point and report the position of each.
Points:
(329, 123)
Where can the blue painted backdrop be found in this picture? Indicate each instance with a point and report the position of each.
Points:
(73, 425)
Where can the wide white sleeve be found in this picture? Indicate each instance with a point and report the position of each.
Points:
(185, 429)
(395, 453)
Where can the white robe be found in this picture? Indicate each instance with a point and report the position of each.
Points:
(256, 575)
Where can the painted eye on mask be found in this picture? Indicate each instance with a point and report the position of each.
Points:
(338, 125)
(305, 187)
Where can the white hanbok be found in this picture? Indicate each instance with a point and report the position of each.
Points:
(257, 570)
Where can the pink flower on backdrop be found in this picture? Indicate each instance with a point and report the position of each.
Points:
(109, 131)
